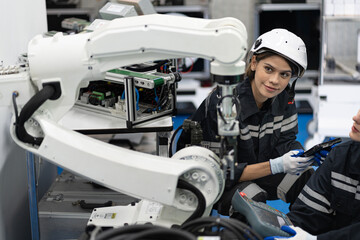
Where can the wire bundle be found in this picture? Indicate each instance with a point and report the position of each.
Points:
(227, 228)
(147, 231)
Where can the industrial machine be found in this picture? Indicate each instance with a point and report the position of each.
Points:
(58, 72)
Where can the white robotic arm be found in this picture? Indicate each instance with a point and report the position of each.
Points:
(69, 62)
(75, 59)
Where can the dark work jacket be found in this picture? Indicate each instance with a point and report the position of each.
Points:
(329, 204)
(264, 134)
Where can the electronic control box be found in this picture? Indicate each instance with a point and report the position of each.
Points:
(130, 95)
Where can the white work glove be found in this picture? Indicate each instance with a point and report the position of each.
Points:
(290, 163)
(295, 232)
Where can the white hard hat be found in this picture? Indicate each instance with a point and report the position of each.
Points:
(286, 44)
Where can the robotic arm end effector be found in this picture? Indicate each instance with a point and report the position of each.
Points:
(208, 176)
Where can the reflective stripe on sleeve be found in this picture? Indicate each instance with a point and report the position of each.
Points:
(344, 178)
(316, 195)
(345, 183)
(253, 127)
(357, 195)
(267, 131)
(278, 118)
(267, 125)
(245, 137)
(285, 124)
(289, 123)
(314, 205)
(289, 126)
(343, 186)
(289, 119)
(254, 134)
(268, 128)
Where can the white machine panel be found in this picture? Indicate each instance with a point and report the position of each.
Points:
(337, 105)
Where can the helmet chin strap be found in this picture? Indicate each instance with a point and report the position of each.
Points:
(291, 92)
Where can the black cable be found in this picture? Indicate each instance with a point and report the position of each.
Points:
(172, 140)
(238, 229)
(160, 103)
(161, 234)
(160, 95)
(28, 110)
(250, 233)
(198, 229)
(14, 96)
(218, 106)
(220, 113)
(146, 231)
(122, 236)
(238, 106)
(164, 102)
(228, 228)
(222, 147)
(200, 209)
(109, 233)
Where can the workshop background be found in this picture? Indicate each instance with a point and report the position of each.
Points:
(326, 98)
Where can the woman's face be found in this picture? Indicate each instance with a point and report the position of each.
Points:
(272, 75)
(355, 130)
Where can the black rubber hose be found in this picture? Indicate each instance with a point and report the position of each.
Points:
(218, 106)
(110, 233)
(162, 234)
(125, 231)
(28, 110)
(200, 209)
(196, 229)
(243, 228)
(172, 140)
(239, 229)
(146, 231)
(14, 96)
